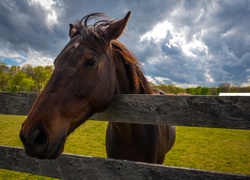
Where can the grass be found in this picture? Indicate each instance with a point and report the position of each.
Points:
(201, 148)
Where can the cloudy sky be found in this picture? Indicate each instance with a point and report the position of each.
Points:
(186, 43)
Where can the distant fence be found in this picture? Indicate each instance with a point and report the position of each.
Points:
(200, 111)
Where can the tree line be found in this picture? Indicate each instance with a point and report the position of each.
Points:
(26, 78)
(33, 79)
(225, 87)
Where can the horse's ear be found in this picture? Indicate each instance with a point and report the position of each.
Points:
(116, 29)
(72, 30)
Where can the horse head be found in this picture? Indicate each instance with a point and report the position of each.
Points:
(83, 83)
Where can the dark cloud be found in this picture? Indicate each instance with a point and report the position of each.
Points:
(24, 26)
(208, 42)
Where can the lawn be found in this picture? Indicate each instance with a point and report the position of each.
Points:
(200, 148)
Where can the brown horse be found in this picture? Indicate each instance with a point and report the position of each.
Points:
(91, 68)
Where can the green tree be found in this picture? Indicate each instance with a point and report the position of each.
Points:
(27, 84)
(49, 70)
(213, 91)
(4, 69)
(14, 70)
(171, 88)
(197, 90)
(4, 81)
(21, 82)
(190, 90)
(204, 91)
(41, 75)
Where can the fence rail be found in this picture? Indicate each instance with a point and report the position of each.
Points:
(69, 166)
(201, 111)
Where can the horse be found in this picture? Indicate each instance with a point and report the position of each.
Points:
(93, 67)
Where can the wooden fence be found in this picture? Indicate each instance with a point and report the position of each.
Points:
(200, 111)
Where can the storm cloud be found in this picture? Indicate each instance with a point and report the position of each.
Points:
(186, 43)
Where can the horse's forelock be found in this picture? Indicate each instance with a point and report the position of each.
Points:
(93, 33)
(102, 21)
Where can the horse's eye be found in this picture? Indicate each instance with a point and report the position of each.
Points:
(92, 63)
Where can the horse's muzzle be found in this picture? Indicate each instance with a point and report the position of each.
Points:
(37, 144)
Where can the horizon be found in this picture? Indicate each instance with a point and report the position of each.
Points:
(229, 85)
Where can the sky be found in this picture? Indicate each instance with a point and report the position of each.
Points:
(187, 43)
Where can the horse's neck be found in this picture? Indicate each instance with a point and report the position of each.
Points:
(124, 86)
(129, 78)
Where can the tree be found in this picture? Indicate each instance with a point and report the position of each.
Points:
(27, 84)
(3, 68)
(171, 88)
(190, 90)
(4, 80)
(226, 87)
(3, 75)
(213, 91)
(21, 82)
(41, 75)
(28, 69)
(197, 90)
(204, 91)
(49, 70)
(14, 70)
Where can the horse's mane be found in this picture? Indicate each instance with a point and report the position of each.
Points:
(94, 33)
(139, 82)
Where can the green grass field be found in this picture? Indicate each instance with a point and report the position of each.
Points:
(200, 148)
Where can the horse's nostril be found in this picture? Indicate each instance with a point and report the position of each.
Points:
(35, 136)
(38, 137)
(35, 142)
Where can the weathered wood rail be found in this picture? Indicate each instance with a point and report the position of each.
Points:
(201, 111)
(82, 167)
